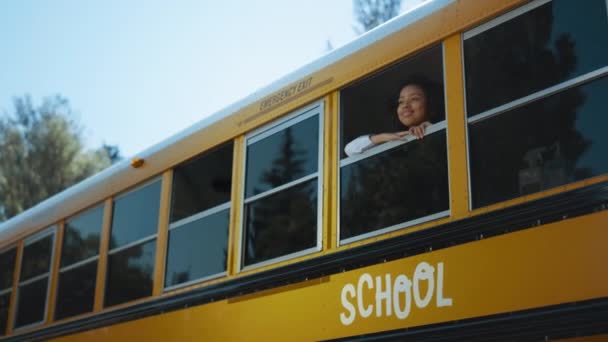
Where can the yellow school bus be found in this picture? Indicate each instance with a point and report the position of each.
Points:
(256, 224)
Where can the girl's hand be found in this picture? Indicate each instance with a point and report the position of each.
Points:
(418, 131)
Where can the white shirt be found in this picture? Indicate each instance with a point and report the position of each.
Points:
(359, 145)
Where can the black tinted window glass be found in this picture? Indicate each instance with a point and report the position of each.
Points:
(282, 223)
(551, 142)
(135, 215)
(76, 292)
(399, 185)
(31, 303)
(7, 266)
(5, 300)
(36, 258)
(130, 274)
(283, 157)
(198, 249)
(81, 237)
(370, 105)
(202, 183)
(550, 44)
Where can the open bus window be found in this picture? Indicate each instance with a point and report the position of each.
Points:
(79, 259)
(200, 217)
(398, 183)
(133, 244)
(7, 267)
(369, 106)
(282, 188)
(33, 287)
(536, 91)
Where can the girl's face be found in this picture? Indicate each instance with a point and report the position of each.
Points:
(411, 108)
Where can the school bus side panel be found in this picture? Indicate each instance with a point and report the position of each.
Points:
(553, 264)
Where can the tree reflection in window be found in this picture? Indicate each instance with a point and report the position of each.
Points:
(283, 222)
(543, 47)
(560, 143)
(198, 249)
(551, 141)
(130, 273)
(394, 187)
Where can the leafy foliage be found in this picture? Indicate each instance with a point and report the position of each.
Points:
(42, 154)
(371, 13)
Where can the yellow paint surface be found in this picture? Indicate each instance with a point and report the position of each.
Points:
(557, 263)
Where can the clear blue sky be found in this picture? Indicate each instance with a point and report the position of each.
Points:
(138, 71)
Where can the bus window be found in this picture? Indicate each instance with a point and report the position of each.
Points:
(282, 187)
(132, 245)
(34, 279)
(390, 185)
(200, 214)
(536, 85)
(7, 267)
(79, 258)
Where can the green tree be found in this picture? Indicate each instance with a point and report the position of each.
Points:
(42, 153)
(113, 152)
(371, 13)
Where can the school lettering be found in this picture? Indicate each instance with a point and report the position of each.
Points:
(396, 295)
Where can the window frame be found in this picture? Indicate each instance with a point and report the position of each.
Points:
(79, 263)
(9, 290)
(49, 231)
(141, 241)
(5, 250)
(88, 210)
(518, 102)
(376, 150)
(124, 194)
(185, 221)
(5, 291)
(315, 108)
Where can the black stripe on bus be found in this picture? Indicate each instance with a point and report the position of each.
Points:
(523, 216)
(545, 324)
